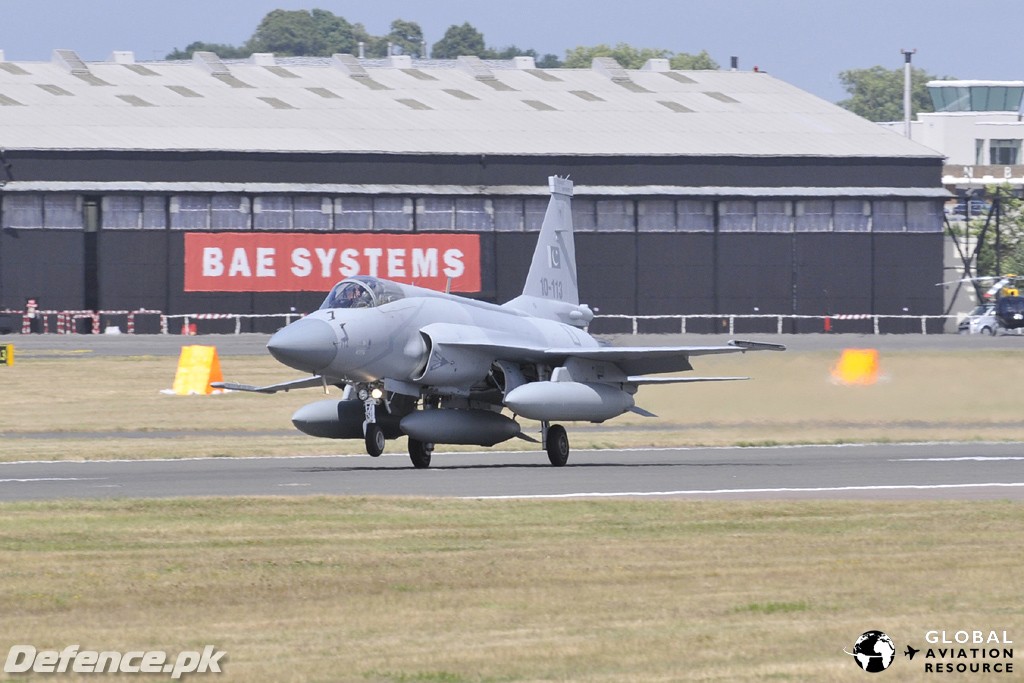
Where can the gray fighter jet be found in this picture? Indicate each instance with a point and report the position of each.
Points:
(441, 369)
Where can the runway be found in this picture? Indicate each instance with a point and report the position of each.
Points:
(874, 472)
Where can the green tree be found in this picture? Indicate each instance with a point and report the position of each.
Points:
(877, 93)
(300, 32)
(1010, 255)
(458, 41)
(224, 51)
(626, 55)
(699, 62)
(407, 37)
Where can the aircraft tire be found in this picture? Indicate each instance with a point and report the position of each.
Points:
(558, 445)
(374, 440)
(419, 453)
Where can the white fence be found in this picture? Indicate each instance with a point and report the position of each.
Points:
(191, 323)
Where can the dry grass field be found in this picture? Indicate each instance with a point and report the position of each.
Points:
(111, 407)
(393, 590)
(431, 591)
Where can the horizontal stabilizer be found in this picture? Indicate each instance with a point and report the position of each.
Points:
(756, 346)
(305, 383)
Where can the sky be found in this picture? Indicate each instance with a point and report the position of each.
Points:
(804, 42)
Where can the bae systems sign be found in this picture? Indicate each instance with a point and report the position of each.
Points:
(306, 262)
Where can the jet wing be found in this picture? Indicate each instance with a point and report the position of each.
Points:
(304, 383)
(632, 360)
(645, 360)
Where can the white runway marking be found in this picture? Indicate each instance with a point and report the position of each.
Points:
(707, 492)
(978, 458)
(28, 481)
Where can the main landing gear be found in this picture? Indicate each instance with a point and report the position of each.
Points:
(556, 443)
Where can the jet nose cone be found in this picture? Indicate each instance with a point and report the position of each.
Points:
(308, 344)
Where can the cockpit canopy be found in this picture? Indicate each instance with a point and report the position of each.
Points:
(362, 291)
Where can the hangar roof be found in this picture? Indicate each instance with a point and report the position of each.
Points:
(403, 106)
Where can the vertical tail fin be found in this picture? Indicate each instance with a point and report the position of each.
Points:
(551, 289)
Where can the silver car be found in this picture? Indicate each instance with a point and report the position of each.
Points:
(982, 320)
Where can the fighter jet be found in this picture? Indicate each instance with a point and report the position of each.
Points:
(443, 369)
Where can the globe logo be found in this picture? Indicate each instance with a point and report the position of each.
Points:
(874, 651)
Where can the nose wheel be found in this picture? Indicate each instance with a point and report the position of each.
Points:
(374, 439)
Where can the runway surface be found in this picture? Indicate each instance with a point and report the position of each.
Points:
(877, 472)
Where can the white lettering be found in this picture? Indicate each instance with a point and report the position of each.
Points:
(453, 262)
(239, 264)
(326, 258)
(265, 262)
(424, 262)
(396, 262)
(301, 267)
(349, 264)
(213, 262)
(66, 655)
(19, 659)
(127, 665)
(374, 255)
(153, 662)
(85, 662)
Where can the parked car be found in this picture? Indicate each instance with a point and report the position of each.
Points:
(981, 320)
(977, 207)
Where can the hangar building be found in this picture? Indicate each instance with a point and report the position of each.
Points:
(696, 192)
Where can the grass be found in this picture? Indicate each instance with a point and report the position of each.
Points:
(103, 407)
(395, 590)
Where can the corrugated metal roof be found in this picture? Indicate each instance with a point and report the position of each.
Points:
(128, 186)
(348, 105)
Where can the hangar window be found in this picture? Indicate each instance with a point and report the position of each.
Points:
(392, 213)
(814, 215)
(474, 213)
(736, 215)
(615, 215)
(852, 215)
(584, 215)
(23, 211)
(508, 214)
(272, 212)
(656, 215)
(533, 214)
(774, 215)
(312, 212)
(695, 215)
(62, 211)
(435, 213)
(134, 212)
(1004, 152)
(888, 216)
(122, 212)
(190, 212)
(353, 213)
(229, 212)
(924, 216)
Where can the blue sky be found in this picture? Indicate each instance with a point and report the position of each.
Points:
(804, 42)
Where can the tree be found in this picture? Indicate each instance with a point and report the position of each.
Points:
(224, 51)
(300, 32)
(626, 55)
(458, 41)
(877, 93)
(688, 62)
(1010, 257)
(407, 37)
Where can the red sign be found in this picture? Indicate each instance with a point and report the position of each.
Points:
(311, 262)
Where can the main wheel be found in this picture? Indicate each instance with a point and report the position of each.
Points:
(374, 440)
(558, 445)
(419, 453)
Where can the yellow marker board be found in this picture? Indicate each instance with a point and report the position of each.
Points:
(198, 366)
(6, 354)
